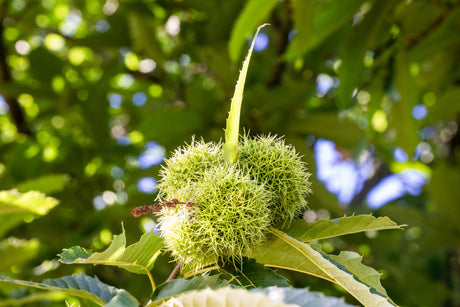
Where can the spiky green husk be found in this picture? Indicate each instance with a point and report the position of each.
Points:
(187, 165)
(229, 216)
(271, 162)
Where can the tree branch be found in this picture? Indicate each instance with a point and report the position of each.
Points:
(5, 77)
(284, 27)
(381, 171)
(175, 272)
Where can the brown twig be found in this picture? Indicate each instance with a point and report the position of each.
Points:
(175, 272)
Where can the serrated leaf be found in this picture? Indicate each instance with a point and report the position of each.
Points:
(137, 258)
(181, 285)
(223, 297)
(15, 251)
(15, 207)
(359, 43)
(327, 228)
(352, 262)
(82, 286)
(302, 297)
(233, 120)
(284, 251)
(254, 13)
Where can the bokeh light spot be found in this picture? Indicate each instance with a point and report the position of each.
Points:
(379, 121)
(139, 99)
(172, 26)
(147, 185)
(261, 42)
(419, 111)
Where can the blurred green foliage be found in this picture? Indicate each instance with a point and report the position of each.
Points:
(87, 84)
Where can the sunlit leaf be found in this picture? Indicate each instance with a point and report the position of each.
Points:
(18, 207)
(284, 251)
(137, 258)
(233, 120)
(327, 228)
(82, 286)
(221, 298)
(254, 13)
(15, 251)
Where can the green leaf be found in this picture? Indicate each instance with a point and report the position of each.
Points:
(284, 251)
(358, 44)
(329, 126)
(33, 298)
(304, 12)
(46, 184)
(255, 275)
(446, 107)
(445, 194)
(137, 258)
(180, 123)
(181, 285)
(18, 207)
(302, 297)
(223, 297)
(82, 286)
(327, 228)
(233, 120)
(142, 32)
(15, 251)
(254, 13)
(329, 17)
(402, 119)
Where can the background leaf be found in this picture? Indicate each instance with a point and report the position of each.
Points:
(254, 13)
(47, 184)
(327, 228)
(16, 208)
(356, 47)
(14, 251)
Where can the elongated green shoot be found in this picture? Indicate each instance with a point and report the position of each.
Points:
(233, 120)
